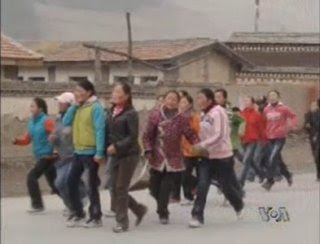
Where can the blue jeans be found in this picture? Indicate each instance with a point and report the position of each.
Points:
(251, 161)
(226, 177)
(61, 183)
(275, 164)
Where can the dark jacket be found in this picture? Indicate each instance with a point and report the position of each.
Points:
(123, 132)
(312, 124)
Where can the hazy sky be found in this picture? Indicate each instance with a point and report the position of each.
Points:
(152, 19)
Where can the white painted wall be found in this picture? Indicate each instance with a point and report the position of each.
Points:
(19, 106)
(63, 72)
(28, 72)
(138, 71)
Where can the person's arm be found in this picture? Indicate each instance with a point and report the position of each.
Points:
(292, 117)
(189, 133)
(69, 116)
(217, 127)
(133, 129)
(23, 141)
(242, 127)
(99, 123)
(149, 133)
(49, 126)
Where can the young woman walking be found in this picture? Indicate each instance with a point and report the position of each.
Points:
(87, 119)
(253, 136)
(162, 145)
(124, 150)
(279, 118)
(217, 158)
(39, 129)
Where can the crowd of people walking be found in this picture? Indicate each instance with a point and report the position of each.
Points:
(185, 148)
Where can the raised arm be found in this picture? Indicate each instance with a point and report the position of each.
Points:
(69, 116)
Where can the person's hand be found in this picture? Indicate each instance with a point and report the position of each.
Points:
(14, 141)
(199, 151)
(111, 150)
(52, 138)
(98, 159)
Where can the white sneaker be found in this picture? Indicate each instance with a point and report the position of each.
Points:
(225, 203)
(35, 210)
(76, 222)
(110, 214)
(93, 223)
(195, 223)
(240, 214)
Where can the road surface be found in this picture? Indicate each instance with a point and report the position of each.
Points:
(301, 201)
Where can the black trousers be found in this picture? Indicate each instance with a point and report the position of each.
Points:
(226, 177)
(46, 167)
(189, 181)
(161, 185)
(79, 165)
(315, 148)
(122, 170)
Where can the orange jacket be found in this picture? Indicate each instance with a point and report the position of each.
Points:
(195, 125)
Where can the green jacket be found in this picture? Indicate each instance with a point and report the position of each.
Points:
(238, 126)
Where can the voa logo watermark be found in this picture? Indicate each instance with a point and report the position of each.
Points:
(279, 214)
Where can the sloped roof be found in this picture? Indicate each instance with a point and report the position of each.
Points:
(144, 50)
(282, 59)
(11, 49)
(275, 37)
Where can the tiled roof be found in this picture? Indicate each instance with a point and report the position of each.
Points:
(11, 49)
(144, 50)
(282, 59)
(275, 37)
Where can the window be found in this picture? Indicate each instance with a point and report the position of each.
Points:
(37, 78)
(149, 79)
(52, 73)
(122, 79)
(78, 78)
(10, 72)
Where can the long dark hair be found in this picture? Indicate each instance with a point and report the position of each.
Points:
(41, 104)
(127, 90)
(208, 93)
(87, 85)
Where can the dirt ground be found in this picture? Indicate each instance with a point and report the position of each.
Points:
(16, 162)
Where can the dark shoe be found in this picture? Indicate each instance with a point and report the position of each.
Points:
(142, 213)
(289, 180)
(119, 229)
(164, 221)
(267, 185)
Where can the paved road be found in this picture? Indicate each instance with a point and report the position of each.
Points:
(301, 201)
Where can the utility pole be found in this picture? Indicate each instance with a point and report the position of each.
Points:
(257, 16)
(130, 77)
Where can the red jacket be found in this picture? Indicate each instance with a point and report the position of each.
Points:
(279, 118)
(255, 126)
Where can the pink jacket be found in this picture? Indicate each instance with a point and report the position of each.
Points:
(279, 118)
(215, 133)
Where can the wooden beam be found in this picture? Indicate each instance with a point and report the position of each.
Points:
(97, 66)
(122, 54)
(130, 76)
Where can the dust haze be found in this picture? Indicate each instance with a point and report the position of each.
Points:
(152, 19)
